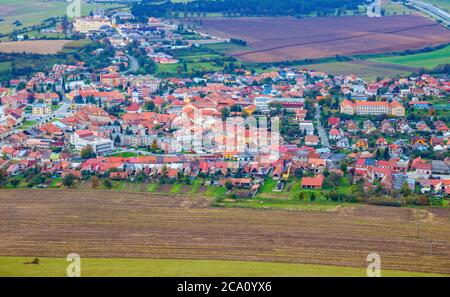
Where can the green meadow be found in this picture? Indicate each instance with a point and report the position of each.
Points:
(114, 267)
(425, 60)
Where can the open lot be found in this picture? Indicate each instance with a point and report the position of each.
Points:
(112, 224)
(280, 39)
(33, 46)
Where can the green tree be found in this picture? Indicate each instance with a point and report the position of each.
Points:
(229, 186)
(69, 180)
(14, 182)
(87, 152)
(405, 190)
(107, 184)
(225, 113)
(386, 154)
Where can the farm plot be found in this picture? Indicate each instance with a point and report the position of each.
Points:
(281, 39)
(368, 70)
(425, 60)
(108, 224)
(35, 46)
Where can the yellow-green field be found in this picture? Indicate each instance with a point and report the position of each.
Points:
(33, 12)
(15, 266)
(426, 60)
(361, 69)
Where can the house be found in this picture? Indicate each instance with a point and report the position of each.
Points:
(41, 109)
(381, 143)
(312, 140)
(361, 144)
(343, 143)
(335, 133)
(134, 108)
(313, 182)
(307, 127)
(237, 182)
(334, 122)
(118, 175)
(439, 167)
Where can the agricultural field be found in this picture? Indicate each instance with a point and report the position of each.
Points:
(368, 70)
(33, 12)
(5, 67)
(42, 47)
(126, 224)
(396, 8)
(442, 4)
(196, 61)
(56, 267)
(426, 60)
(284, 38)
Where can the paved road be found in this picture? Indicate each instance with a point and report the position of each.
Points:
(431, 10)
(320, 129)
(134, 64)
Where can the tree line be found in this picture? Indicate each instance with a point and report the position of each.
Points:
(244, 7)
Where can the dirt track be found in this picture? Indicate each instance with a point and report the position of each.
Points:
(113, 224)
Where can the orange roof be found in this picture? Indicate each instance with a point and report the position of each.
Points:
(316, 181)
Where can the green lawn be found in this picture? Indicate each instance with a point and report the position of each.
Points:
(152, 188)
(285, 204)
(269, 185)
(226, 47)
(75, 46)
(426, 60)
(5, 67)
(27, 124)
(126, 155)
(176, 188)
(364, 71)
(195, 186)
(56, 267)
(215, 191)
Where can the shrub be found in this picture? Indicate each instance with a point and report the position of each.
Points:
(107, 184)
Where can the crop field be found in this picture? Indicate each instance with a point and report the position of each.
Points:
(442, 4)
(368, 70)
(144, 225)
(34, 46)
(425, 60)
(281, 39)
(33, 12)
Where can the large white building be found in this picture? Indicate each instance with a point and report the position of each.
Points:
(372, 108)
(90, 24)
(83, 138)
(262, 103)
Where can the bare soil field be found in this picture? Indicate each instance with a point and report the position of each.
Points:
(106, 224)
(33, 46)
(280, 39)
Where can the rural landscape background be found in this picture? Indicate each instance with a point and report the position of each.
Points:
(171, 223)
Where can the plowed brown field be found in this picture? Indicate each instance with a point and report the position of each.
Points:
(280, 39)
(143, 225)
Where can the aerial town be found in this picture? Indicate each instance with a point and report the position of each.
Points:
(70, 124)
(197, 140)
